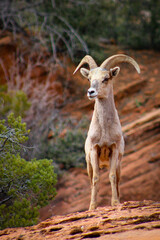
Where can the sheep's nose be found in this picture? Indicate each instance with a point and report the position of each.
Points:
(91, 93)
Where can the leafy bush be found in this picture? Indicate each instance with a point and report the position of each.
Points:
(15, 101)
(25, 186)
(12, 135)
(66, 152)
(66, 148)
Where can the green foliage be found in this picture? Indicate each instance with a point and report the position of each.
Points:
(25, 186)
(66, 150)
(76, 26)
(12, 135)
(15, 101)
(21, 213)
(134, 24)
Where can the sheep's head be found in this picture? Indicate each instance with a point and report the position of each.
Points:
(101, 77)
(100, 80)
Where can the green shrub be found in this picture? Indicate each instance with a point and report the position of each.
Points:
(13, 101)
(25, 186)
(12, 135)
(66, 151)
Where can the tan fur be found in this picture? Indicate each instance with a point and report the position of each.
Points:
(104, 146)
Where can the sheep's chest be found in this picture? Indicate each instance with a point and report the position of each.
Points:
(106, 135)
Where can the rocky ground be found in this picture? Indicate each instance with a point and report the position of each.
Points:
(130, 220)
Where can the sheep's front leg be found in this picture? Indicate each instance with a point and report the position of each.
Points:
(95, 178)
(114, 179)
(118, 173)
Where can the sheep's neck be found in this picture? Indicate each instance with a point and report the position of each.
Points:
(105, 110)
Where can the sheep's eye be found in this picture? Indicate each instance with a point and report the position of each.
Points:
(105, 79)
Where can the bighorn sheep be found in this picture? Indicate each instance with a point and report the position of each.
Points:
(104, 146)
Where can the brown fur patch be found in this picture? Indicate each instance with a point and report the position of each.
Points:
(104, 157)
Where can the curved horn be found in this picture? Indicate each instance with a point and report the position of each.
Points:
(89, 60)
(115, 59)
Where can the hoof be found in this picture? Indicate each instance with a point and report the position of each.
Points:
(115, 202)
(92, 207)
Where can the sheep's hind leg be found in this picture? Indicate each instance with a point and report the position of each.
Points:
(114, 176)
(95, 179)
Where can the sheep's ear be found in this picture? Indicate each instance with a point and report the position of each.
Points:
(114, 71)
(84, 72)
